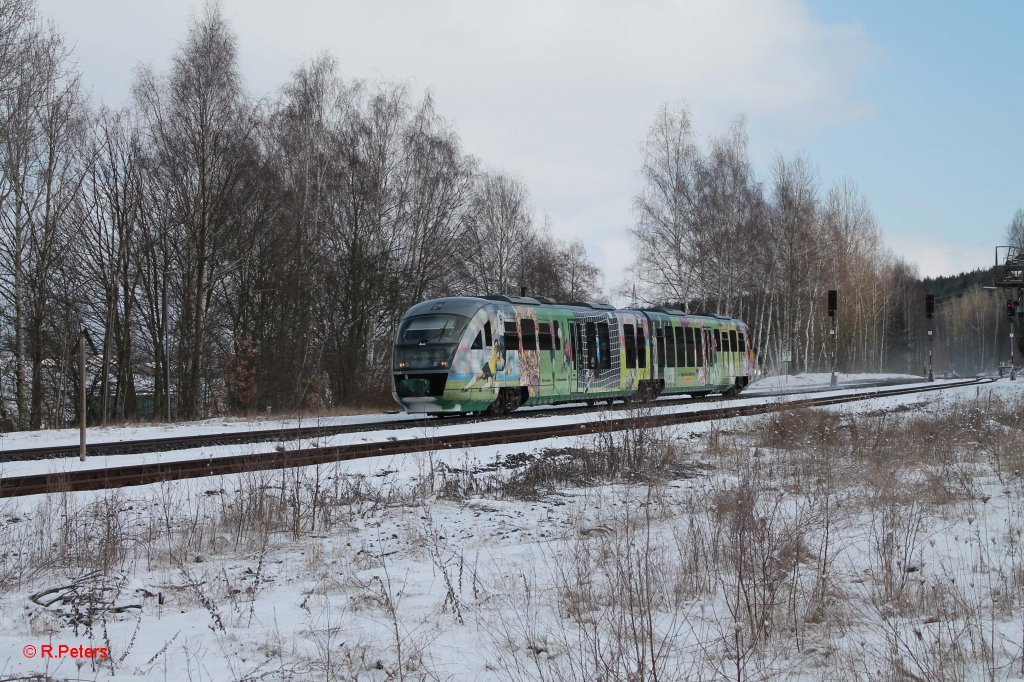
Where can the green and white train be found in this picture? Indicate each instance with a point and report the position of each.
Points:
(496, 353)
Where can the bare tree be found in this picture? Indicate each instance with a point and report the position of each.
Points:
(1015, 230)
(666, 209)
(200, 130)
(728, 225)
(43, 123)
(499, 234)
(110, 212)
(793, 216)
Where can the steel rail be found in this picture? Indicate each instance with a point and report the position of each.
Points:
(170, 443)
(95, 479)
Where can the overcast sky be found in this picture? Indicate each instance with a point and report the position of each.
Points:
(920, 104)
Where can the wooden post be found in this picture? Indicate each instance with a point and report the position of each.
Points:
(83, 415)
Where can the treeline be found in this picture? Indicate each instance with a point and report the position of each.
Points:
(712, 235)
(230, 253)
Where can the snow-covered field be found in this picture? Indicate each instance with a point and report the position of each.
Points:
(877, 540)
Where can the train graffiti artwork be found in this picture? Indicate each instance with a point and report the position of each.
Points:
(495, 353)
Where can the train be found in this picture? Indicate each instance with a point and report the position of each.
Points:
(494, 354)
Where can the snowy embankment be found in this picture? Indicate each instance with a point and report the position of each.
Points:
(871, 540)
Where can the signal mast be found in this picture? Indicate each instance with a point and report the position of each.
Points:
(1009, 275)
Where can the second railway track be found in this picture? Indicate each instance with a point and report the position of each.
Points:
(293, 434)
(142, 474)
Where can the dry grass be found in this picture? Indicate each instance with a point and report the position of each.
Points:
(841, 546)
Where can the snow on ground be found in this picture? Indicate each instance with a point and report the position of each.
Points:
(871, 540)
(121, 433)
(760, 393)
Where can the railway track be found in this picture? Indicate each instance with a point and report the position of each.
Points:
(95, 479)
(294, 434)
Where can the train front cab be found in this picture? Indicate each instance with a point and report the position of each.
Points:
(433, 353)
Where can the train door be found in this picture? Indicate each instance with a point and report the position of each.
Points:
(576, 355)
(669, 334)
(737, 358)
(711, 368)
(588, 370)
(725, 350)
(510, 351)
(658, 349)
(529, 357)
(643, 352)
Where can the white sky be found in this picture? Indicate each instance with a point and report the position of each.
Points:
(559, 94)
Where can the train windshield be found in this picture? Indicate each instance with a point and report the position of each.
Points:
(428, 341)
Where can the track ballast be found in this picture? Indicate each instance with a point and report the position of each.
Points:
(96, 479)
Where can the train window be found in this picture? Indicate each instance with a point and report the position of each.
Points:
(605, 350)
(691, 349)
(556, 335)
(734, 345)
(660, 334)
(544, 335)
(641, 347)
(529, 334)
(670, 346)
(591, 345)
(681, 341)
(743, 343)
(698, 347)
(488, 341)
(630, 343)
(724, 342)
(511, 336)
(718, 339)
(478, 342)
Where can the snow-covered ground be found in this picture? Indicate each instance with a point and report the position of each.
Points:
(121, 433)
(875, 540)
(764, 391)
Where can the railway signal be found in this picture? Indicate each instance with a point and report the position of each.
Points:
(833, 307)
(1009, 274)
(929, 310)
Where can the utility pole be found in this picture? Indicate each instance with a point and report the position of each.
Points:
(833, 307)
(929, 310)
